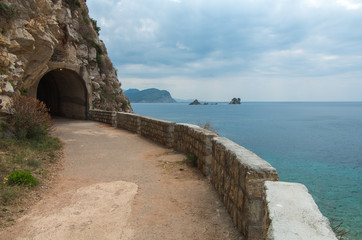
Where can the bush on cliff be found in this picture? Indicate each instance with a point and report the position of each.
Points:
(6, 11)
(29, 118)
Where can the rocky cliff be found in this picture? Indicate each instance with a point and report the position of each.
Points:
(49, 49)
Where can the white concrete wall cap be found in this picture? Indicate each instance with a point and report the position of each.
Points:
(156, 120)
(294, 214)
(198, 129)
(129, 114)
(245, 156)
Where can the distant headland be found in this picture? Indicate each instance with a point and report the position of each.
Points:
(151, 95)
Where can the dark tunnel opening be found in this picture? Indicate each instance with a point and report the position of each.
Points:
(64, 92)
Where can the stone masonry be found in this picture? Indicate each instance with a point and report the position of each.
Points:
(238, 175)
(192, 139)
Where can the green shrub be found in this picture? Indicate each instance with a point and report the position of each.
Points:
(124, 105)
(191, 160)
(97, 47)
(99, 58)
(73, 3)
(22, 178)
(85, 16)
(23, 91)
(6, 11)
(29, 117)
(95, 26)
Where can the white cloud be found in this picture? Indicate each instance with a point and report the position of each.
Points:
(314, 3)
(292, 52)
(330, 57)
(106, 22)
(350, 4)
(181, 46)
(147, 28)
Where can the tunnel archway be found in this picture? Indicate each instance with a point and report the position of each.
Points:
(65, 94)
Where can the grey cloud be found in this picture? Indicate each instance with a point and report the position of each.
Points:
(210, 39)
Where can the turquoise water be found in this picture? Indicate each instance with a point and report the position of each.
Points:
(317, 144)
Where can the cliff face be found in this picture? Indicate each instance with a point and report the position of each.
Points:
(50, 49)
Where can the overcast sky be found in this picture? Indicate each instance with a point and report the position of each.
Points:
(258, 50)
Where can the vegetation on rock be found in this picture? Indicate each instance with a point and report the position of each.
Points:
(6, 11)
(95, 26)
(73, 3)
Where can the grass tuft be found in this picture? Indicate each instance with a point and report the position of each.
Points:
(207, 125)
(338, 229)
(24, 163)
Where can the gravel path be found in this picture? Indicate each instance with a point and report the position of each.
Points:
(118, 185)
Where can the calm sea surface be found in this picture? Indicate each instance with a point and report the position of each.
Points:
(317, 144)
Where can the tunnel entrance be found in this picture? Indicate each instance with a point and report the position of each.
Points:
(64, 92)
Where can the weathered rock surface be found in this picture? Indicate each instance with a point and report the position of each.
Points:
(40, 36)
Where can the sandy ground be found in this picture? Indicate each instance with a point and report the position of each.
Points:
(118, 185)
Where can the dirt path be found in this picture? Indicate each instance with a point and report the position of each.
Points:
(117, 185)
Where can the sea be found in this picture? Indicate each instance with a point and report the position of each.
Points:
(318, 144)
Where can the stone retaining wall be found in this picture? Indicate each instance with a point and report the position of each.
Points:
(101, 116)
(237, 174)
(192, 139)
(158, 130)
(129, 122)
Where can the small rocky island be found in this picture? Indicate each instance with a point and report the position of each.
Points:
(195, 102)
(235, 101)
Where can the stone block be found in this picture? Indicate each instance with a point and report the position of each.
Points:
(256, 211)
(240, 199)
(255, 183)
(256, 233)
